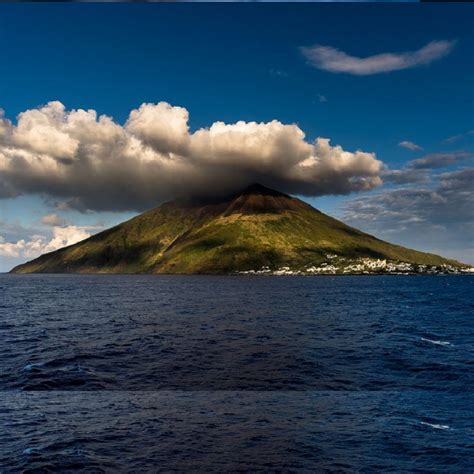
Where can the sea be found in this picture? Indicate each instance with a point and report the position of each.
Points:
(152, 373)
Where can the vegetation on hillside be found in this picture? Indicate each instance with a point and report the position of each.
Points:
(253, 229)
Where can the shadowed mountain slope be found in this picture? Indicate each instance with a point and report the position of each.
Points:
(255, 228)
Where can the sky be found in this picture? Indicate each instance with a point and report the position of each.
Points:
(364, 111)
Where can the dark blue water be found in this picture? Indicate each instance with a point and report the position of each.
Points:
(146, 373)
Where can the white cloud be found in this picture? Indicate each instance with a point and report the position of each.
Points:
(46, 131)
(163, 127)
(459, 136)
(439, 160)
(410, 145)
(439, 215)
(334, 60)
(37, 245)
(52, 220)
(421, 169)
(69, 235)
(91, 162)
(278, 73)
(406, 175)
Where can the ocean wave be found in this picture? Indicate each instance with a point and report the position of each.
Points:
(435, 425)
(439, 343)
(33, 366)
(30, 451)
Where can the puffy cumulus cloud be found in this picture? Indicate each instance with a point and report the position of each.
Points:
(90, 162)
(38, 244)
(46, 131)
(437, 218)
(263, 147)
(68, 235)
(342, 171)
(163, 127)
(334, 60)
(5, 128)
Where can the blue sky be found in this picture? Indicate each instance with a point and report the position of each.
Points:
(246, 62)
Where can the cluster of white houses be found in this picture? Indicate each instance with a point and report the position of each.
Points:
(363, 266)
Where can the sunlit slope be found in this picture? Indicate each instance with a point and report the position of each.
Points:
(258, 227)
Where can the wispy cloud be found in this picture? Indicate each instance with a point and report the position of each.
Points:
(53, 220)
(322, 98)
(459, 136)
(335, 60)
(439, 215)
(410, 145)
(421, 169)
(439, 160)
(406, 176)
(278, 73)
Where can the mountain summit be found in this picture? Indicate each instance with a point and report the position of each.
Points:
(256, 230)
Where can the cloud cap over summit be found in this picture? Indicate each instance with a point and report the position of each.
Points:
(92, 162)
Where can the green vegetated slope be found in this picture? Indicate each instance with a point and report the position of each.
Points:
(255, 228)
